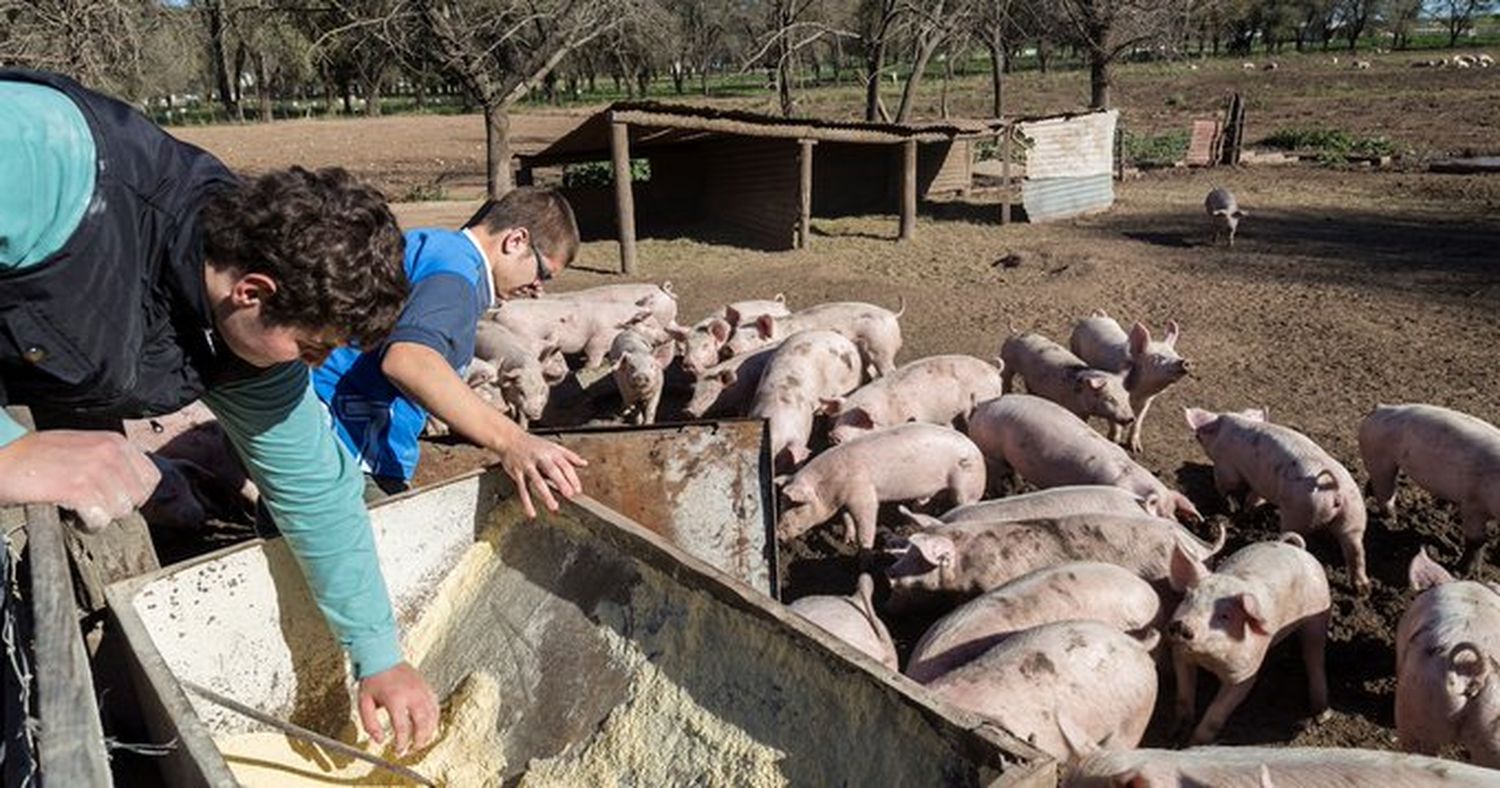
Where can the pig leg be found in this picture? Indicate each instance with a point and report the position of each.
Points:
(1187, 692)
(864, 507)
(1227, 481)
(1383, 472)
(1007, 380)
(596, 349)
(1353, 547)
(1229, 698)
(1133, 432)
(1475, 519)
(1314, 640)
(652, 403)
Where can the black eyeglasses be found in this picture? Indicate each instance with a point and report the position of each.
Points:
(543, 273)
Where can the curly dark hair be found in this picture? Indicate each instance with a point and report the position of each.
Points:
(329, 241)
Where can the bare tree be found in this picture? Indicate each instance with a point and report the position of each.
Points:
(998, 24)
(1106, 29)
(878, 22)
(1355, 17)
(789, 27)
(95, 41)
(1404, 15)
(934, 22)
(499, 51)
(1458, 16)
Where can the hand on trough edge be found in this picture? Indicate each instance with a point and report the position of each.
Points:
(533, 463)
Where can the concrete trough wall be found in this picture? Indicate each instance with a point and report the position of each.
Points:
(574, 613)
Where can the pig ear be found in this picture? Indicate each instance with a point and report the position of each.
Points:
(510, 375)
(732, 316)
(918, 519)
(831, 406)
(1255, 618)
(765, 325)
(1468, 666)
(1239, 214)
(859, 418)
(1170, 340)
(935, 550)
(480, 372)
(779, 298)
(1079, 744)
(1154, 505)
(664, 355)
(1094, 382)
(1140, 337)
(795, 493)
(1257, 414)
(1424, 573)
(1265, 777)
(1186, 571)
(728, 376)
(720, 330)
(1198, 419)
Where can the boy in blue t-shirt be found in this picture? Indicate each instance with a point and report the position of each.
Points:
(380, 398)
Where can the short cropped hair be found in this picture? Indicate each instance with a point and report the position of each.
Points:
(545, 214)
(330, 243)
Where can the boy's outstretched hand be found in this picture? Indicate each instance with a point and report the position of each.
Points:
(533, 463)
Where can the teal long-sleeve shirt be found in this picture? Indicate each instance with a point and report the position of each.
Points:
(310, 483)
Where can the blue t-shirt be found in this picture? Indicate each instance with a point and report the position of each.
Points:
(450, 290)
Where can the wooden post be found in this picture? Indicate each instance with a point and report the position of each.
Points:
(804, 192)
(619, 155)
(1005, 181)
(908, 190)
(70, 746)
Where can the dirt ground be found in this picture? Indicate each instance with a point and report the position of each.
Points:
(1347, 288)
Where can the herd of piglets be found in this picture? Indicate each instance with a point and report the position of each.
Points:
(1056, 610)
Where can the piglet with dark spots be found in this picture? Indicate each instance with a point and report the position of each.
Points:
(1092, 673)
(807, 368)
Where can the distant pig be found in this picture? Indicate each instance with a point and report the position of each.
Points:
(1447, 679)
(703, 344)
(935, 390)
(876, 332)
(1229, 618)
(586, 327)
(1082, 590)
(1263, 767)
(1050, 447)
(1082, 670)
(1452, 455)
(851, 619)
(659, 300)
(1051, 371)
(961, 561)
(1054, 502)
(1149, 367)
(809, 367)
(1224, 211)
(1310, 489)
(728, 388)
(904, 463)
(637, 371)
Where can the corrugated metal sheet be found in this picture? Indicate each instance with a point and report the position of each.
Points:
(1072, 146)
(1050, 199)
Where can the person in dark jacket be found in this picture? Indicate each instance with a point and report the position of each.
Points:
(137, 275)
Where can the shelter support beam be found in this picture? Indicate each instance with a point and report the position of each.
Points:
(908, 190)
(619, 154)
(804, 192)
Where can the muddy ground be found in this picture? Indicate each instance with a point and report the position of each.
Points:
(1347, 288)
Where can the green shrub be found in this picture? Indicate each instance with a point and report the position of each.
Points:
(1331, 146)
(1155, 149)
(601, 173)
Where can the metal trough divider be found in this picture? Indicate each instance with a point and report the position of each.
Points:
(581, 616)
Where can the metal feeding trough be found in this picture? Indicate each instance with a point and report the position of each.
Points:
(616, 655)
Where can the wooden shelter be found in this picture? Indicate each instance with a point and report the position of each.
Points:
(762, 176)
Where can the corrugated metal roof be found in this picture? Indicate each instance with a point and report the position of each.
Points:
(1050, 199)
(1071, 146)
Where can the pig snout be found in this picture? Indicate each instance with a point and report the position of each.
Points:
(1180, 631)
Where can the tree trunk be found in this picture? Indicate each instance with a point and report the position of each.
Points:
(947, 78)
(329, 94)
(374, 91)
(239, 97)
(346, 86)
(874, 65)
(419, 92)
(1043, 54)
(215, 13)
(997, 75)
(262, 87)
(1098, 80)
(497, 149)
(909, 93)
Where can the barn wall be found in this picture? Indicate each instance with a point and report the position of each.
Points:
(751, 186)
(944, 168)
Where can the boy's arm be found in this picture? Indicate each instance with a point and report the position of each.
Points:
(422, 374)
(313, 488)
